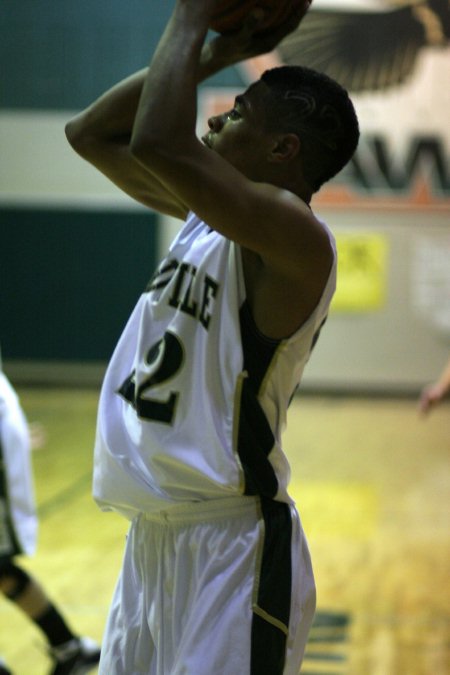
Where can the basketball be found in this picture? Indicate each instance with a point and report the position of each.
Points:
(231, 14)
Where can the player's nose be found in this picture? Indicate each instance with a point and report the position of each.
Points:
(215, 123)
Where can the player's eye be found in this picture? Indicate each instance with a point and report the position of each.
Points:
(233, 114)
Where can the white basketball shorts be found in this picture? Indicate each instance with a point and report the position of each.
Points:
(222, 587)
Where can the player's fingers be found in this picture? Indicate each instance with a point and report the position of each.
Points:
(290, 24)
(424, 405)
(430, 396)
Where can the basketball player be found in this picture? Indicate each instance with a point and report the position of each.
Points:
(216, 576)
(71, 655)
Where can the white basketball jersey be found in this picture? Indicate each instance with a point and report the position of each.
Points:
(195, 398)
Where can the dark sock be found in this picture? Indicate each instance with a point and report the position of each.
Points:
(54, 627)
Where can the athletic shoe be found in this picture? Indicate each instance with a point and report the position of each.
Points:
(76, 657)
(3, 669)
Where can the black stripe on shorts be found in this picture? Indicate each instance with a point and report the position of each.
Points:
(272, 604)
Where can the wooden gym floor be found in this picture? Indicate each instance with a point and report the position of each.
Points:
(371, 479)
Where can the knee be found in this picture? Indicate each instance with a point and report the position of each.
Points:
(13, 580)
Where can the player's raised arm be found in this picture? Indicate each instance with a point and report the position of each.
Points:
(242, 187)
(101, 133)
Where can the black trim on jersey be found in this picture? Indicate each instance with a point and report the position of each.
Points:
(254, 443)
(317, 333)
(14, 548)
(258, 349)
(271, 611)
(255, 439)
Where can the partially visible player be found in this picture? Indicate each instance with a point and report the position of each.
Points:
(70, 654)
(434, 393)
(217, 577)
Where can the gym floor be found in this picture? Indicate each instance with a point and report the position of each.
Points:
(371, 479)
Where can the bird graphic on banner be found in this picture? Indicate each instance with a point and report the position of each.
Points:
(367, 45)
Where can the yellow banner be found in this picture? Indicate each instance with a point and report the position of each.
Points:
(362, 272)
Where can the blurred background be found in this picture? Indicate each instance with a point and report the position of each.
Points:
(369, 475)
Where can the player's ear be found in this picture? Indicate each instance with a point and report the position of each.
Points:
(285, 147)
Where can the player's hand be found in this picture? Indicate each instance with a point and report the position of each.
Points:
(430, 396)
(247, 42)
